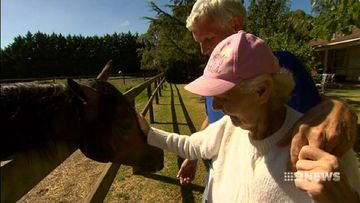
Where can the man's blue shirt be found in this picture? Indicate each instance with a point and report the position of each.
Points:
(304, 95)
(213, 116)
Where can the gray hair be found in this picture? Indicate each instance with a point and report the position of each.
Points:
(219, 10)
(281, 83)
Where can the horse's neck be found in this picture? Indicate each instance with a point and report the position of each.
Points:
(30, 112)
(31, 100)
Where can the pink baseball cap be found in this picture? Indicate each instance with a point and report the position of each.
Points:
(238, 57)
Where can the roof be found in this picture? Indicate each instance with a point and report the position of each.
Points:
(353, 37)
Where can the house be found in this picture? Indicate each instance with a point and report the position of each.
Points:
(340, 56)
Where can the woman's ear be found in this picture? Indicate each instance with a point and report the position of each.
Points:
(263, 90)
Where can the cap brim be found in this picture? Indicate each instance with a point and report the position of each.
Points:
(206, 86)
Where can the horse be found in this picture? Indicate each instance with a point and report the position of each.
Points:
(92, 115)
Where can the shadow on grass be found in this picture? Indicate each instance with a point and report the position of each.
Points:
(175, 123)
(173, 111)
(186, 191)
(191, 187)
(186, 114)
(160, 104)
(168, 123)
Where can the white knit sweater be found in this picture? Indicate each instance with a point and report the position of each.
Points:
(243, 169)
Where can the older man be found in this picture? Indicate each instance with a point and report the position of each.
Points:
(330, 125)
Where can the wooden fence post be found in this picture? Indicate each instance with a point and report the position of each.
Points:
(151, 110)
(103, 184)
(162, 84)
(156, 93)
(160, 79)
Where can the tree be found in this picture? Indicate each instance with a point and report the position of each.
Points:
(335, 16)
(281, 28)
(43, 55)
(265, 16)
(169, 46)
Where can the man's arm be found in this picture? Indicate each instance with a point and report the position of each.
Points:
(204, 124)
(188, 168)
(330, 126)
(342, 182)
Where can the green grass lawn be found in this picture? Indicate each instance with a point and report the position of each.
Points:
(125, 84)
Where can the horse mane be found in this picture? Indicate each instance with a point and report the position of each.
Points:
(30, 96)
(27, 114)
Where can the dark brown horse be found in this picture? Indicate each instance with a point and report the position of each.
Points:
(94, 116)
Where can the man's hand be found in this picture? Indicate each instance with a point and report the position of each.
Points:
(188, 168)
(330, 126)
(332, 188)
(187, 171)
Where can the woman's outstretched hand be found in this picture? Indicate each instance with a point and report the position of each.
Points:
(143, 124)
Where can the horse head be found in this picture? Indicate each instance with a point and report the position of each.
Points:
(109, 127)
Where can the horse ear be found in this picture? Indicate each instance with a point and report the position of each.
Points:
(84, 93)
(105, 73)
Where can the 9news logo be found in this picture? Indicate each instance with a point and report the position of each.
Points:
(312, 176)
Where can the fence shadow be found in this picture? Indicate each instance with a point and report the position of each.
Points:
(191, 187)
(173, 111)
(186, 114)
(186, 191)
(168, 123)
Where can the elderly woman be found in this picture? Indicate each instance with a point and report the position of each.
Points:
(247, 166)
